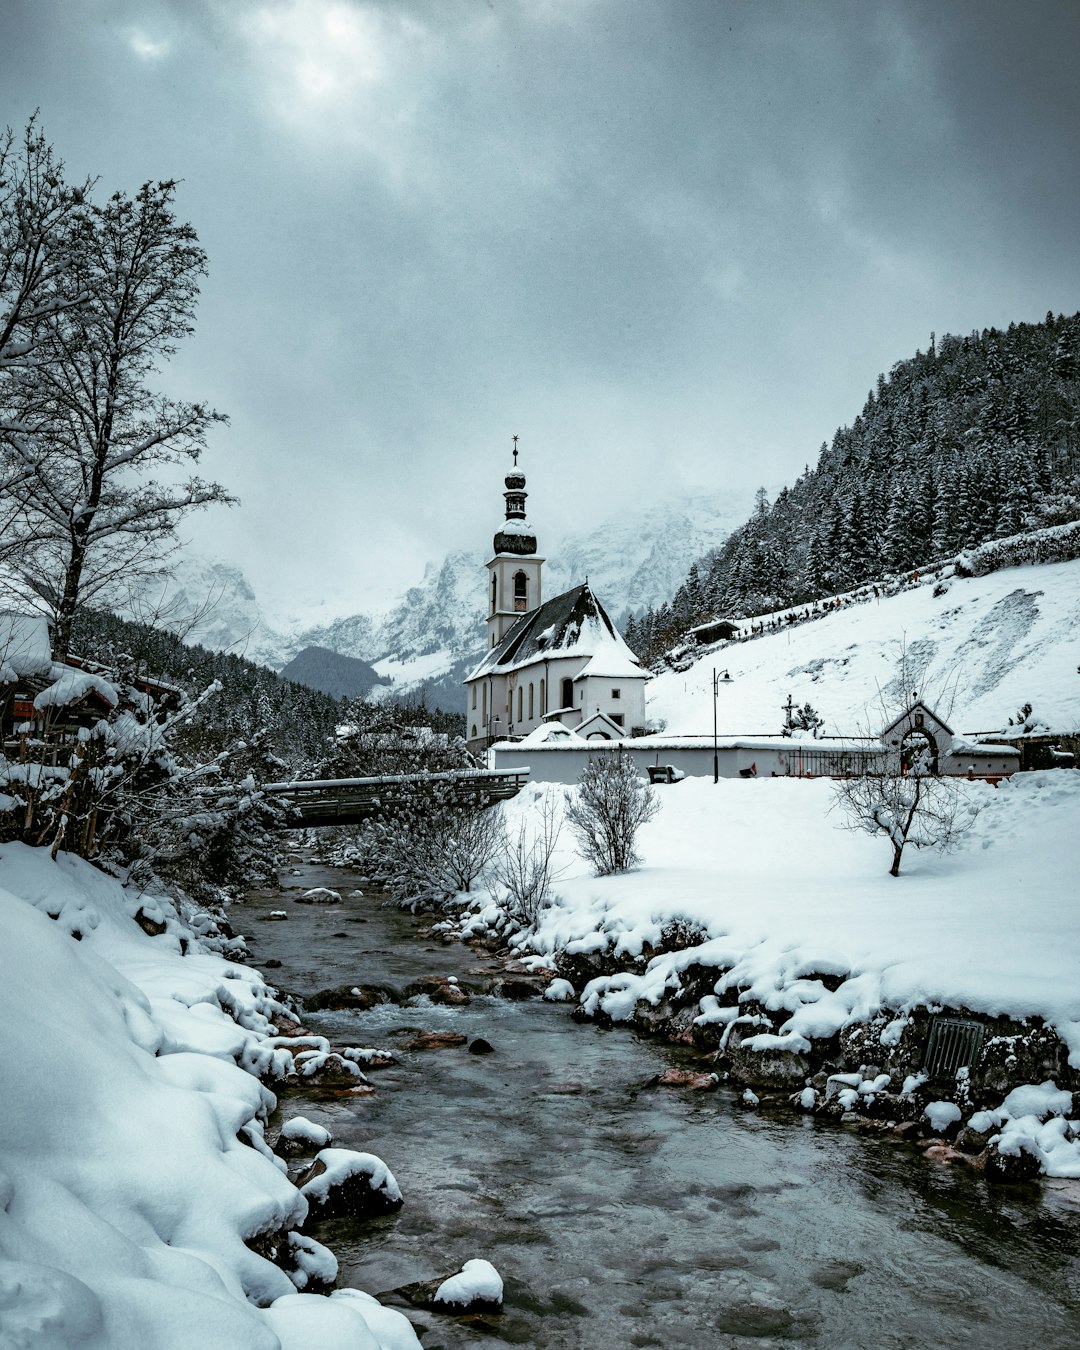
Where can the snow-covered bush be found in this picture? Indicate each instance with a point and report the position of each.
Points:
(435, 839)
(606, 810)
(1058, 543)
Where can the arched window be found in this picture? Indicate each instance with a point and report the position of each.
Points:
(521, 695)
(474, 731)
(484, 717)
(474, 698)
(521, 592)
(568, 693)
(494, 592)
(532, 713)
(543, 697)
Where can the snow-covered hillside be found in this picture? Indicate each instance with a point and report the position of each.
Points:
(978, 652)
(435, 632)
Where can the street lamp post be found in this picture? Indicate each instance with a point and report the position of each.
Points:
(717, 676)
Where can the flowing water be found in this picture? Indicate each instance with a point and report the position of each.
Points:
(621, 1214)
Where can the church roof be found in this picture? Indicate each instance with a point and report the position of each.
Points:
(572, 624)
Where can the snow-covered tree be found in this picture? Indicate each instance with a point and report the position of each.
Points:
(90, 509)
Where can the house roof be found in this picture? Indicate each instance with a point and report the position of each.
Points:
(909, 714)
(572, 624)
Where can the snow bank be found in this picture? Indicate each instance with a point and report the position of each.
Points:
(132, 1160)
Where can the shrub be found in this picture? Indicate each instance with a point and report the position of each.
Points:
(606, 810)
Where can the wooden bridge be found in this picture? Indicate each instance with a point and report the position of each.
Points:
(348, 801)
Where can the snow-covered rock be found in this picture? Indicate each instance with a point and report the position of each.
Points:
(477, 1285)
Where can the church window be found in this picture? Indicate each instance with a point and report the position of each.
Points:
(474, 731)
(521, 592)
(474, 698)
(485, 704)
(616, 693)
(521, 695)
(543, 697)
(568, 693)
(532, 714)
(494, 594)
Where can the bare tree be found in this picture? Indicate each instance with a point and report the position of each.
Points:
(525, 866)
(42, 229)
(913, 805)
(607, 809)
(901, 793)
(89, 512)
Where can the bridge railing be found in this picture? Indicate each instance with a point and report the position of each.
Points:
(301, 785)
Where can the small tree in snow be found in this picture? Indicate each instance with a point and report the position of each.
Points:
(903, 794)
(608, 807)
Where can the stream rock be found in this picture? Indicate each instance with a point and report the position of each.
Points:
(436, 1040)
(439, 988)
(1009, 1168)
(773, 1068)
(688, 1078)
(518, 986)
(341, 1183)
(361, 996)
(318, 895)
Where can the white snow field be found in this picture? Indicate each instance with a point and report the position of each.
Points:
(980, 651)
(132, 1159)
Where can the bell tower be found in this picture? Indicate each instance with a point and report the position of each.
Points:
(514, 570)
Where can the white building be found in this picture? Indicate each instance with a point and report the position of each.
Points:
(557, 659)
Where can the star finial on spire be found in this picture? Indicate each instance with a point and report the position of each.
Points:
(515, 440)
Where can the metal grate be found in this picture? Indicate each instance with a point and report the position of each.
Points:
(954, 1044)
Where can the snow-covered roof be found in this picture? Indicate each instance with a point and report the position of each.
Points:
(550, 733)
(961, 748)
(25, 646)
(601, 724)
(572, 624)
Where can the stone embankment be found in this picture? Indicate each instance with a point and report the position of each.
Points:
(997, 1093)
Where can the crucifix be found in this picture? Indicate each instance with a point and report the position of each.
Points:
(515, 440)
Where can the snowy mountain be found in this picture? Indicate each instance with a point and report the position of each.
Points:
(429, 638)
(978, 649)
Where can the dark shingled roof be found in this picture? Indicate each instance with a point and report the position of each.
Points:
(553, 629)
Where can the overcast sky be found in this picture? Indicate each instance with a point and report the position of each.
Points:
(669, 243)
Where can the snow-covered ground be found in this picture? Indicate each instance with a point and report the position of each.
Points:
(132, 1158)
(979, 652)
(783, 892)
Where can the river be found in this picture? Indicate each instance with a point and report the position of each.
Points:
(624, 1215)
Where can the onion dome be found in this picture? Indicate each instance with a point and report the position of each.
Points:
(516, 534)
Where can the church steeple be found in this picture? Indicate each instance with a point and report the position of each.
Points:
(515, 536)
(515, 568)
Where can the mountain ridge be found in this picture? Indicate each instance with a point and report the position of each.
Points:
(428, 639)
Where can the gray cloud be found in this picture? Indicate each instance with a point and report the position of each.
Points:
(669, 244)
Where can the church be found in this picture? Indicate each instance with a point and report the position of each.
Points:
(560, 660)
